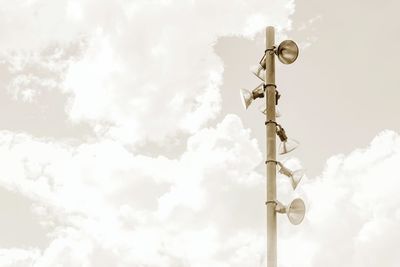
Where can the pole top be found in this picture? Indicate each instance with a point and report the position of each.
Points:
(270, 29)
(270, 37)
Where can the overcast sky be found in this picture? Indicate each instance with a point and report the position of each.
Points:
(123, 140)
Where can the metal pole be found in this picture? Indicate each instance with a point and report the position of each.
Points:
(271, 148)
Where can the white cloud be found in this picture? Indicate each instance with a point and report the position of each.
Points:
(18, 257)
(203, 208)
(145, 69)
(353, 211)
(192, 210)
(156, 73)
(141, 210)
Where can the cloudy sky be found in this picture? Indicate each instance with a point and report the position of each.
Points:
(123, 141)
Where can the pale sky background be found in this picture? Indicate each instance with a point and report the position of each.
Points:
(123, 141)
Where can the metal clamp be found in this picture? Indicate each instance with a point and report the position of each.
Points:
(269, 84)
(279, 207)
(271, 201)
(270, 121)
(273, 49)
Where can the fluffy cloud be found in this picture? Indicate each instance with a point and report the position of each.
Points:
(135, 71)
(138, 210)
(140, 70)
(146, 70)
(353, 211)
(18, 257)
(203, 208)
(155, 72)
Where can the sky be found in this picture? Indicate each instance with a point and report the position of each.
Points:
(123, 140)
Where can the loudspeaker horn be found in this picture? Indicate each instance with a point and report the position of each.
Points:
(295, 211)
(287, 52)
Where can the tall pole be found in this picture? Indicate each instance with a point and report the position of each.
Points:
(287, 53)
(269, 85)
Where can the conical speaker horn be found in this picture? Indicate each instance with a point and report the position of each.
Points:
(247, 97)
(287, 144)
(295, 176)
(287, 52)
(259, 73)
(295, 211)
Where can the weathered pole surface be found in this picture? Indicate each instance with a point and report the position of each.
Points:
(271, 148)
